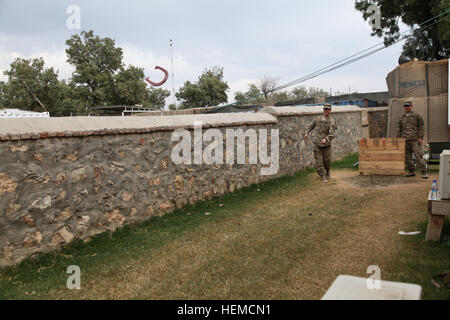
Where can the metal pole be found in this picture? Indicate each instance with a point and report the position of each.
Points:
(34, 96)
(173, 76)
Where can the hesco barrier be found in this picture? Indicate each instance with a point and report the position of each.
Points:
(418, 79)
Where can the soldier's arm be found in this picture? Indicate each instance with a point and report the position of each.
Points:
(421, 125)
(399, 129)
(332, 131)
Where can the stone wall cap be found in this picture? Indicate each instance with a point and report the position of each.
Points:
(308, 110)
(375, 109)
(67, 126)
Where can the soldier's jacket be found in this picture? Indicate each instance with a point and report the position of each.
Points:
(325, 129)
(410, 126)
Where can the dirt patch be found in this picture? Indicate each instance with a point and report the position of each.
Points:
(377, 181)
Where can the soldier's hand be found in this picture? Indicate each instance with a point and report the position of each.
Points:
(324, 141)
(420, 142)
(305, 136)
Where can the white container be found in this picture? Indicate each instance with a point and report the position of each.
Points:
(356, 288)
(444, 175)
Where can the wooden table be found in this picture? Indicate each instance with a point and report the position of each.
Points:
(437, 209)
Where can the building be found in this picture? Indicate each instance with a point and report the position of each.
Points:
(17, 113)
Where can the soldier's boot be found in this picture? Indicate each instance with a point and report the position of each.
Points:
(410, 174)
(424, 175)
(328, 175)
(324, 179)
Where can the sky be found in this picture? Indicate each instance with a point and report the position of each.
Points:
(250, 39)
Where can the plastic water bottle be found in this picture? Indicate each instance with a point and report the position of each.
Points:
(434, 190)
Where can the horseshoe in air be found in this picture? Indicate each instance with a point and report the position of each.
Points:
(157, 84)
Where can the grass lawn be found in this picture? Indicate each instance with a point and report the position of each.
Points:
(288, 238)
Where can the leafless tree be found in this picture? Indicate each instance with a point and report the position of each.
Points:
(267, 84)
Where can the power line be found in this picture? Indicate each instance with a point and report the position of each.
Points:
(356, 57)
(327, 68)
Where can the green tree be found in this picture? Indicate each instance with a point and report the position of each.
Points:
(431, 43)
(156, 97)
(317, 92)
(280, 96)
(27, 77)
(3, 88)
(252, 96)
(71, 105)
(130, 88)
(191, 96)
(301, 92)
(96, 60)
(240, 98)
(209, 90)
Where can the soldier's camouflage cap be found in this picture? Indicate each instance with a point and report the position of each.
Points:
(327, 106)
(407, 104)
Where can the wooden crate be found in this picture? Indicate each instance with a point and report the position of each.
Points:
(385, 156)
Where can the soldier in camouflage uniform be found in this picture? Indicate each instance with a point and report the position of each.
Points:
(410, 127)
(325, 132)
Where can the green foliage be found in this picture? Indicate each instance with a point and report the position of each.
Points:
(172, 106)
(95, 60)
(156, 97)
(432, 43)
(3, 88)
(42, 82)
(280, 96)
(130, 88)
(301, 92)
(252, 96)
(99, 79)
(191, 95)
(210, 90)
(70, 104)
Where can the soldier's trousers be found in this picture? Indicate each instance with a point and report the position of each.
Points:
(322, 155)
(413, 147)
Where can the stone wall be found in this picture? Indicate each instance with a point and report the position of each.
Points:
(63, 179)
